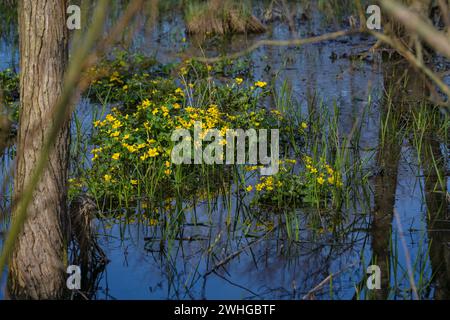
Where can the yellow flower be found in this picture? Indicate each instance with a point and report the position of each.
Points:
(167, 164)
(155, 111)
(107, 177)
(115, 77)
(313, 170)
(110, 118)
(145, 103)
(180, 92)
(153, 222)
(259, 186)
(125, 87)
(165, 111)
(152, 152)
(117, 124)
(307, 159)
(330, 170)
(97, 123)
(249, 188)
(320, 180)
(167, 171)
(134, 182)
(304, 125)
(126, 137)
(130, 148)
(239, 80)
(116, 156)
(115, 134)
(260, 84)
(183, 71)
(330, 179)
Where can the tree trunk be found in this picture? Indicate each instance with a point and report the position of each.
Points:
(37, 265)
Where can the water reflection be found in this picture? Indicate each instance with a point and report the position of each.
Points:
(207, 258)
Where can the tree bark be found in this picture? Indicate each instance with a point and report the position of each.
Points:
(37, 265)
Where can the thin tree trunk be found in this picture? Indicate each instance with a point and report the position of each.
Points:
(36, 269)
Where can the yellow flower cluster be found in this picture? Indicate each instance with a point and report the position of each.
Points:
(268, 183)
(180, 92)
(122, 136)
(115, 77)
(151, 153)
(325, 173)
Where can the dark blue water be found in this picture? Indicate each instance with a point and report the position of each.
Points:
(275, 267)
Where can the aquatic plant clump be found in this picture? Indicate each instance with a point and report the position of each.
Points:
(133, 153)
(311, 185)
(128, 79)
(221, 17)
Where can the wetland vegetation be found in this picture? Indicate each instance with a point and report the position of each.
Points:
(363, 155)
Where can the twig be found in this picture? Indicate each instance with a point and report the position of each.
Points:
(235, 254)
(281, 43)
(310, 293)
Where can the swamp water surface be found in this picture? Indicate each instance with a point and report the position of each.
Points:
(226, 250)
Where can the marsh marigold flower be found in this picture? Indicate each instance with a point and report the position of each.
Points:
(152, 152)
(260, 84)
(180, 92)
